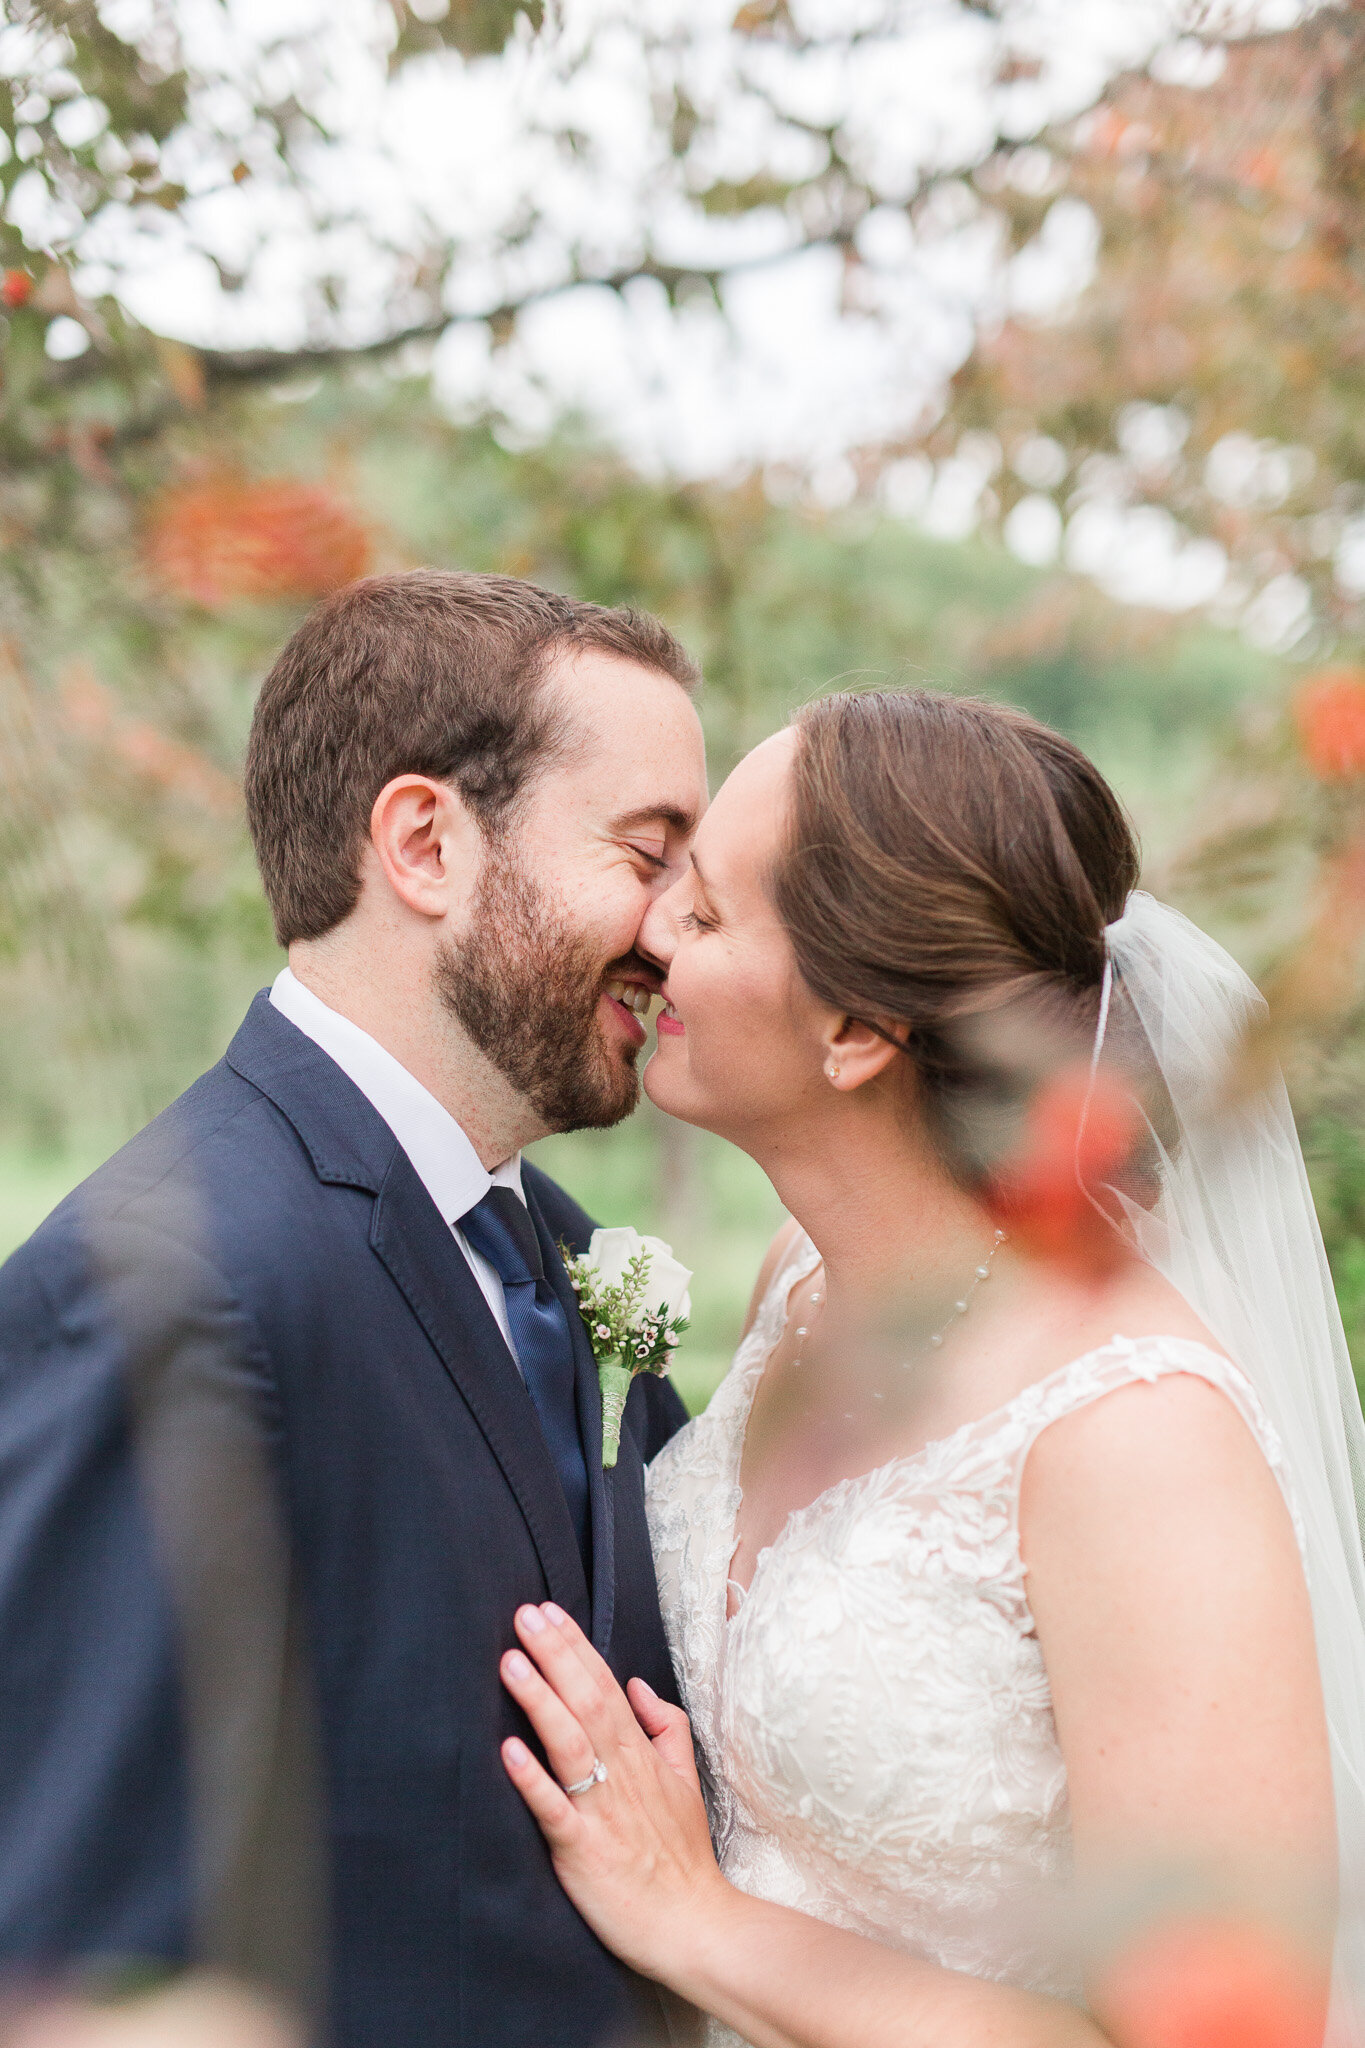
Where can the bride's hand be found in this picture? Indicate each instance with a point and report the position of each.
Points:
(634, 1852)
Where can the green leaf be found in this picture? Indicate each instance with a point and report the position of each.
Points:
(476, 28)
(141, 99)
(726, 198)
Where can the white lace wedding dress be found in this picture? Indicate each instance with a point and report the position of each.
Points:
(875, 1722)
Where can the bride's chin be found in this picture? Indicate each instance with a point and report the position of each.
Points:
(655, 1086)
(664, 1085)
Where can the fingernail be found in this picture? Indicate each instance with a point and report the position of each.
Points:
(516, 1752)
(646, 1687)
(553, 1613)
(530, 1620)
(517, 1665)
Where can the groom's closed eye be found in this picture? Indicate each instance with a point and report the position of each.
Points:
(648, 831)
(654, 851)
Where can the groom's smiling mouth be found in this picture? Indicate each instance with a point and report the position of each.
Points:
(630, 1001)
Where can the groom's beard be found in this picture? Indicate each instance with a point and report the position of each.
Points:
(526, 987)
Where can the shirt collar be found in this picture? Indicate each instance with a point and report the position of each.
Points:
(444, 1160)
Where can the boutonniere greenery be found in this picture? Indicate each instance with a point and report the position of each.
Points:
(634, 1300)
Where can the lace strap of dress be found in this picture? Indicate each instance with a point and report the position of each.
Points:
(1126, 1360)
(799, 1260)
(728, 1407)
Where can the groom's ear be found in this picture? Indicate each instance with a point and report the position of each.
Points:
(856, 1052)
(427, 845)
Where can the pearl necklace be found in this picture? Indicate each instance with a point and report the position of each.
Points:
(960, 1308)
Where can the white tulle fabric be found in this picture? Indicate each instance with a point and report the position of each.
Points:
(875, 1723)
(1235, 1230)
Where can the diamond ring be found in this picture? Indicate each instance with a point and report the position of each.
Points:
(596, 1776)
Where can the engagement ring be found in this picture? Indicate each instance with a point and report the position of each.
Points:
(596, 1776)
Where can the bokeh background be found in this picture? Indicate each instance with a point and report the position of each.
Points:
(1019, 348)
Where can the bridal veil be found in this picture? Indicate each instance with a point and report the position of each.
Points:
(1234, 1229)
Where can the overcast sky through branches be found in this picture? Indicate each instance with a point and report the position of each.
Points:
(511, 175)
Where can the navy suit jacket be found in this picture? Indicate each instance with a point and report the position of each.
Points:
(271, 1488)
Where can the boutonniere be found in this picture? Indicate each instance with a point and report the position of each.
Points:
(634, 1300)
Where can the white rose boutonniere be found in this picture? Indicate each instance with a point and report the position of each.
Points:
(634, 1300)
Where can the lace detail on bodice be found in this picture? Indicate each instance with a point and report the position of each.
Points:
(874, 1722)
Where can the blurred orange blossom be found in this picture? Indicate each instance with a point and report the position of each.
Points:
(223, 535)
(1329, 712)
(1076, 1138)
(1214, 1984)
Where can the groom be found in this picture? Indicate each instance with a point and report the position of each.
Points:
(295, 1404)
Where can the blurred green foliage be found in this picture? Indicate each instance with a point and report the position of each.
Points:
(1335, 1151)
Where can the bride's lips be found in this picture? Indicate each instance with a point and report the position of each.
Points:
(668, 1023)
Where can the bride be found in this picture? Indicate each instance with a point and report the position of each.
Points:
(986, 1572)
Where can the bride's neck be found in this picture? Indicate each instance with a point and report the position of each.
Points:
(874, 1198)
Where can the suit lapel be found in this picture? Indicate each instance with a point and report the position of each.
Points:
(415, 1244)
(601, 1489)
(350, 1145)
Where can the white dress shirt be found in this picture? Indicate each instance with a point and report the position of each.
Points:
(442, 1157)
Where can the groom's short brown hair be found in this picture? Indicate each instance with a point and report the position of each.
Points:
(430, 672)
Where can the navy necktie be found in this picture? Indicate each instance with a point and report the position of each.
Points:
(500, 1227)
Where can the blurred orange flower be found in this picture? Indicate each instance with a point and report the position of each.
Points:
(1076, 1140)
(225, 535)
(1214, 1984)
(1329, 712)
(16, 288)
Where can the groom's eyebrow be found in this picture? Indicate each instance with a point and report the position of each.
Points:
(656, 814)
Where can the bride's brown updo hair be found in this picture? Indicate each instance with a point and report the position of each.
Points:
(946, 859)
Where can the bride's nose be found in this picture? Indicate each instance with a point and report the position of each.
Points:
(657, 938)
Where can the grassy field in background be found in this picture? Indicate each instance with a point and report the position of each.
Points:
(711, 1203)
